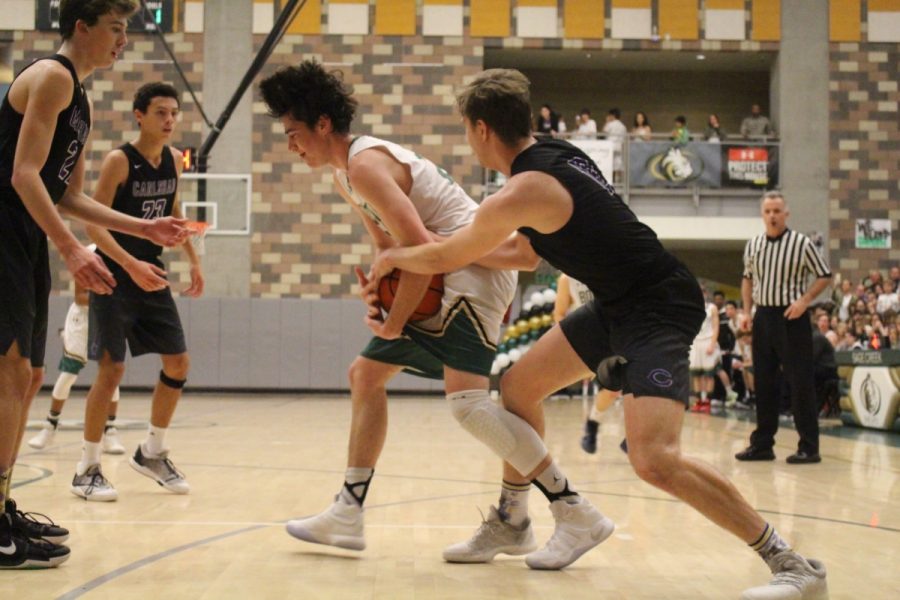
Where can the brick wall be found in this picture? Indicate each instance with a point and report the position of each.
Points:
(864, 156)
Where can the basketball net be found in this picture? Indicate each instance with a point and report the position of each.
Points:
(198, 231)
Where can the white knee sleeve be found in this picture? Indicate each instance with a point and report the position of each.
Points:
(63, 385)
(509, 436)
(115, 397)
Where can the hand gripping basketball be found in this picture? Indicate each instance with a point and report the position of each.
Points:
(430, 304)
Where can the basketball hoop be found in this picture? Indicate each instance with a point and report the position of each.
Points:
(198, 231)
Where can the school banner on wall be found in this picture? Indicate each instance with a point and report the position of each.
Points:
(666, 164)
(873, 233)
(750, 166)
(599, 151)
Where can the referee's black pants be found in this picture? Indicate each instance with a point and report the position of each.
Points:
(785, 343)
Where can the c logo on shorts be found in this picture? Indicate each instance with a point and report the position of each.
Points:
(661, 378)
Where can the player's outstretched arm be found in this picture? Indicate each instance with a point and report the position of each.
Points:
(113, 173)
(515, 253)
(493, 225)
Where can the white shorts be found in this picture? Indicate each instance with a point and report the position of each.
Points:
(75, 333)
(700, 360)
(487, 292)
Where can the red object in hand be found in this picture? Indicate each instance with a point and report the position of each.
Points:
(430, 304)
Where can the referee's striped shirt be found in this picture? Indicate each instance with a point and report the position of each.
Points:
(780, 267)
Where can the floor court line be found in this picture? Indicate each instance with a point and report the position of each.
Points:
(106, 578)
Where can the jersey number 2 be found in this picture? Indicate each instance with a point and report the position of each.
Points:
(153, 208)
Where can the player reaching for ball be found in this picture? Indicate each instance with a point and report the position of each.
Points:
(404, 200)
(647, 310)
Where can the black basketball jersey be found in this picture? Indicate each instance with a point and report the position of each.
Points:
(72, 127)
(148, 193)
(603, 244)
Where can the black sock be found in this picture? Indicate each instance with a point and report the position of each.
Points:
(554, 485)
(53, 418)
(591, 427)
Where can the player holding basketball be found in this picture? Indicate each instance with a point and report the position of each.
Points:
(45, 120)
(74, 358)
(404, 200)
(138, 179)
(647, 308)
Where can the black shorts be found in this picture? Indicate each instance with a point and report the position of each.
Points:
(149, 321)
(24, 281)
(653, 330)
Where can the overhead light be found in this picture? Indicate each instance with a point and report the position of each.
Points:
(701, 57)
(588, 55)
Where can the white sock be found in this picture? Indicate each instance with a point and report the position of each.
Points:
(595, 414)
(90, 455)
(155, 442)
(514, 502)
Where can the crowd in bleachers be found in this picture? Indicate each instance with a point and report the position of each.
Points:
(549, 122)
(864, 314)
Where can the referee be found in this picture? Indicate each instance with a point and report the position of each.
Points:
(777, 266)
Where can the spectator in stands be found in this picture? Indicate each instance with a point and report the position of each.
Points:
(547, 122)
(714, 132)
(757, 124)
(823, 326)
(681, 135)
(840, 331)
(880, 338)
(888, 301)
(587, 127)
(894, 333)
(641, 130)
(843, 298)
(615, 131)
(895, 277)
(874, 279)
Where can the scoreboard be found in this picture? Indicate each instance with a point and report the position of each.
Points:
(159, 13)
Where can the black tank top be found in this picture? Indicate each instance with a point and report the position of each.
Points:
(148, 193)
(603, 244)
(72, 127)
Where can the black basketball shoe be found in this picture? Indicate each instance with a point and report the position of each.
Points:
(27, 525)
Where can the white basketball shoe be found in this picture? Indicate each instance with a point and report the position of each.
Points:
(339, 525)
(93, 486)
(579, 527)
(44, 437)
(111, 442)
(494, 536)
(796, 578)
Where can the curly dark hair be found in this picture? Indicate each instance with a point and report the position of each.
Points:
(90, 11)
(307, 92)
(147, 92)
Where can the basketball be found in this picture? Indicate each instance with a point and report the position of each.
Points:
(430, 304)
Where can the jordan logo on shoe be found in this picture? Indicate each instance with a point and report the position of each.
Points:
(555, 479)
(10, 549)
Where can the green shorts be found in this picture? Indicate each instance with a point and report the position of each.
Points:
(67, 364)
(460, 343)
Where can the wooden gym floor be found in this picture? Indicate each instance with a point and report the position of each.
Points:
(255, 461)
